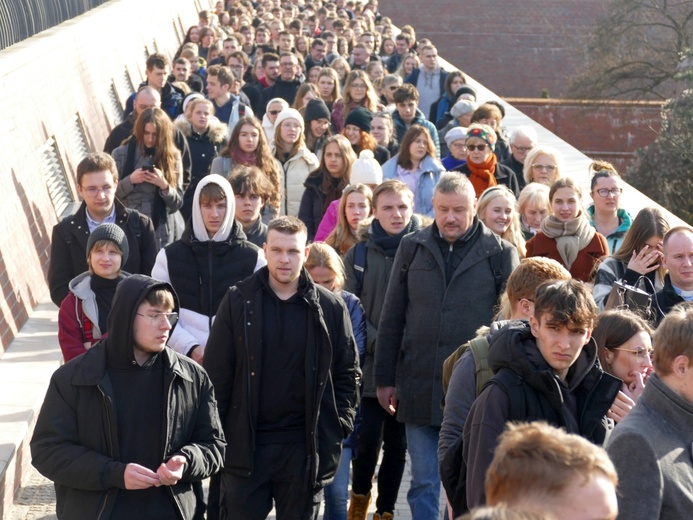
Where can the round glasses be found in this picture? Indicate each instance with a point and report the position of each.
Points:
(605, 192)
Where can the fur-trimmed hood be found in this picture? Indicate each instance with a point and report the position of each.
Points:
(217, 132)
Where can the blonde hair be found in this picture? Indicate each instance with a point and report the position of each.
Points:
(322, 255)
(534, 194)
(546, 150)
(514, 232)
(370, 101)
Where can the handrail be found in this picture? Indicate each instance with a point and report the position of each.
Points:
(22, 19)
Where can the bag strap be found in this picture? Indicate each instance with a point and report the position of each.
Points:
(360, 258)
(479, 347)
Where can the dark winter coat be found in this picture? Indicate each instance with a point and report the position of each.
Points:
(281, 89)
(233, 359)
(171, 100)
(578, 404)
(69, 247)
(203, 149)
(313, 203)
(503, 174)
(425, 319)
(666, 299)
(75, 442)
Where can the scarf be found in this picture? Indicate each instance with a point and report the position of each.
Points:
(571, 236)
(390, 243)
(241, 157)
(483, 175)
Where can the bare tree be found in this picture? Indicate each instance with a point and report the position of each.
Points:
(636, 50)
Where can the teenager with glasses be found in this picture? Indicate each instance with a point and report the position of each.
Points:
(605, 214)
(624, 341)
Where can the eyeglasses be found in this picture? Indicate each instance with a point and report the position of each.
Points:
(522, 148)
(604, 192)
(640, 354)
(546, 167)
(359, 86)
(159, 318)
(480, 147)
(93, 191)
(286, 64)
(458, 146)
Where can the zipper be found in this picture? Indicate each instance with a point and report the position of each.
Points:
(107, 404)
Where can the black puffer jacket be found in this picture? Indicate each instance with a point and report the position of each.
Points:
(69, 247)
(578, 404)
(233, 358)
(75, 442)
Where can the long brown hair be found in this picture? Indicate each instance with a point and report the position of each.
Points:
(166, 154)
(263, 157)
(342, 238)
(370, 101)
(404, 159)
(615, 327)
(648, 223)
(336, 91)
(348, 156)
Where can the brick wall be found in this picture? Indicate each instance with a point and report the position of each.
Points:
(607, 130)
(48, 81)
(514, 47)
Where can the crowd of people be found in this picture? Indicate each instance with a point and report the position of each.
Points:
(309, 249)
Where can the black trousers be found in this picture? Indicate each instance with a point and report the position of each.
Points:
(379, 429)
(279, 477)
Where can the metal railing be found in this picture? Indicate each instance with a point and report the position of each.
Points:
(22, 19)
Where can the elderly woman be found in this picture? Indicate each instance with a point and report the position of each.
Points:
(543, 164)
(482, 167)
(455, 142)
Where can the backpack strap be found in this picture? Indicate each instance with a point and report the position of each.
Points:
(406, 264)
(495, 261)
(479, 347)
(512, 383)
(360, 258)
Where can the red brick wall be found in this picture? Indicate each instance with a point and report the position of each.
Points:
(514, 47)
(607, 130)
(46, 81)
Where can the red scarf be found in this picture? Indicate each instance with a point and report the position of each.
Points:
(241, 157)
(483, 175)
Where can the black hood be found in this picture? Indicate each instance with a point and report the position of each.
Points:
(128, 297)
(515, 347)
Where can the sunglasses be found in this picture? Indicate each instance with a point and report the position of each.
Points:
(480, 147)
(274, 112)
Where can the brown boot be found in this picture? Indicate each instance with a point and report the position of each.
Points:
(384, 516)
(358, 506)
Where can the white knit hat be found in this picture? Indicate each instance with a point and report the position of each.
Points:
(289, 113)
(366, 170)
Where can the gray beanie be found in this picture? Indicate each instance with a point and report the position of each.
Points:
(462, 107)
(113, 233)
(455, 134)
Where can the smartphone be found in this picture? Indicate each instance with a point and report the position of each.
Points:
(148, 168)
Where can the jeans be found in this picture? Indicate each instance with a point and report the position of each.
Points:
(336, 493)
(424, 493)
(379, 428)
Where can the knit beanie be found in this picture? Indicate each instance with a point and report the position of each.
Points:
(465, 89)
(462, 107)
(360, 117)
(114, 234)
(289, 113)
(366, 170)
(484, 133)
(316, 109)
(455, 134)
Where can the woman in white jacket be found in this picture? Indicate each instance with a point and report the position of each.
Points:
(297, 161)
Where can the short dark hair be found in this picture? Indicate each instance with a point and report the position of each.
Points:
(566, 302)
(250, 179)
(160, 297)
(287, 225)
(316, 42)
(406, 92)
(269, 56)
(157, 61)
(96, 162)
(223, 73)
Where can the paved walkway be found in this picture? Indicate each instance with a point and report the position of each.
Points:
(36, 500)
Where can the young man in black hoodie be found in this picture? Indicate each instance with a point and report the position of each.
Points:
(545, 370)
(283, 359)
(128, 427)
